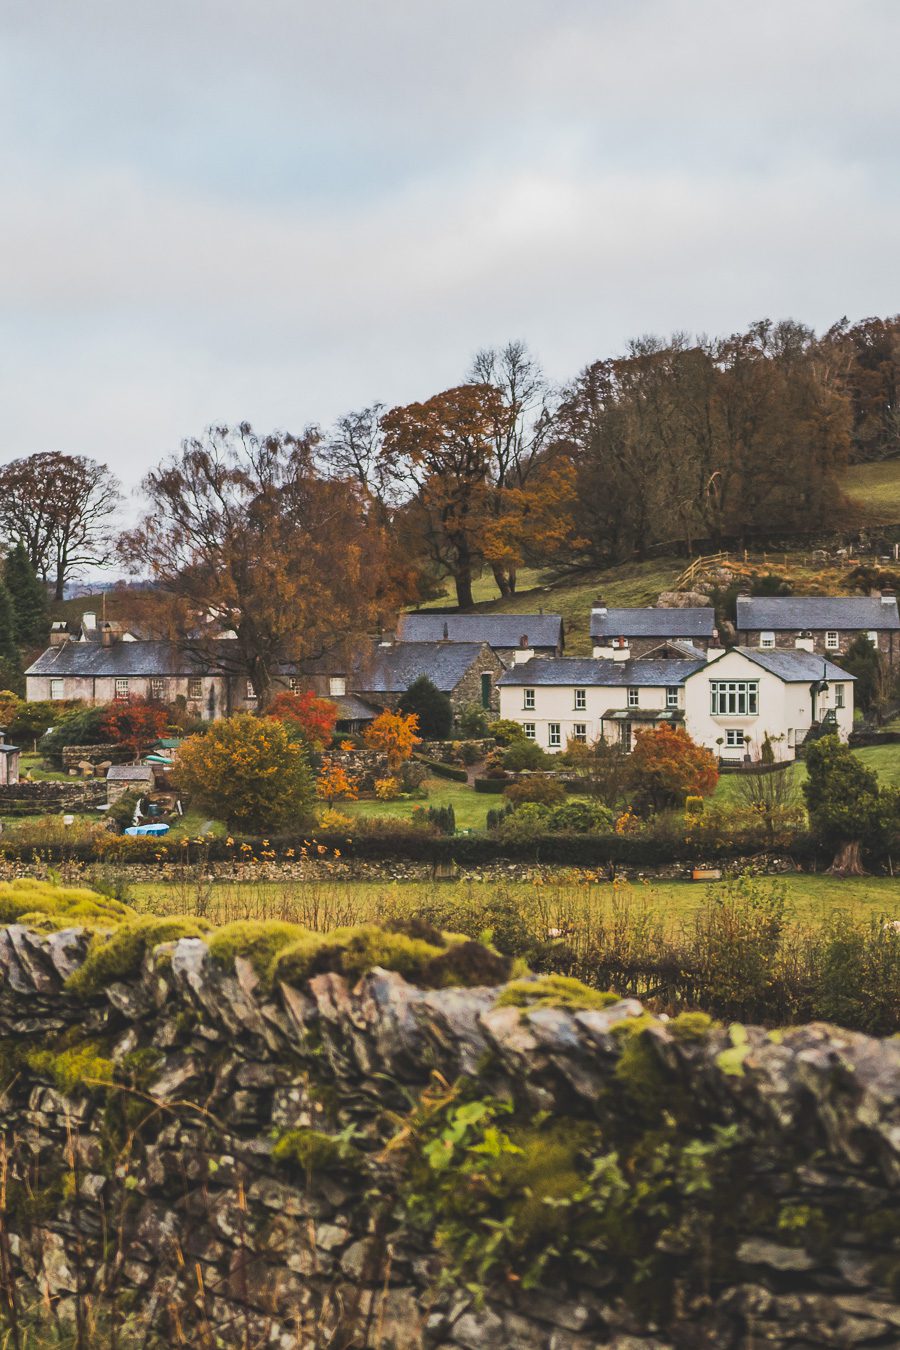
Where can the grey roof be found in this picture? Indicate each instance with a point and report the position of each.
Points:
(391, 670)
(588, 671)
(684, 649)
(497, 630)
(794, 667)
(653, 622)
(799, 612)
(129, 773)
(353, 709)
(121, 660)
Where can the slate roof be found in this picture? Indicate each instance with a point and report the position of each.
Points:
(121, 660)
(497, 630)
(799, 612)
(391, 670)
(129, 773)
(353, 709)
(587, 671)
(651, 622)
(794, 667)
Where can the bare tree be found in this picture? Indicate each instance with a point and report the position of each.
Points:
(60, 508)
(772, 793)
(352, 449)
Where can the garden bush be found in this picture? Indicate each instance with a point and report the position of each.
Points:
(472, 721)
(440, 770)
(495, 785)
(536, 787)
(505, 731)
(523, 754)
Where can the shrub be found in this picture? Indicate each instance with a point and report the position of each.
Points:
(312, 717)
(494, 785)
(494, 764)
(387, 789)
(525, 822)
(468, 753)
(666, 766)
(537, 787)
(472, 720)
(431, 707)
(693, 805)
(330, 819)
(524, 754)
(84, 727)
(580, 818)
(247, 771)
(440, 770)
(505, 731)
(395, 735)
(847, 807)
(334, 783)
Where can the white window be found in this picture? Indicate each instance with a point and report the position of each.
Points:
(580, 700)
(295, 685)
(251, 692)
(57, 689)
(633, 698)
(672, 696)
(579, 733)
(528, 699)
(195, 687)
(121, 689)
(832, 641)
(528, 728)
(337, 686)
(158, 691)
(734, 698)
(554, 735)
(839, 696)
(767, 639)
(734, 739)
(873, 636)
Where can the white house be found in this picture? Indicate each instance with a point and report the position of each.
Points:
(729, 704)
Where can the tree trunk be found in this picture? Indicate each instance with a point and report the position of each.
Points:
(847, 862)
(464, 599)
(60, 589)
(501, 577)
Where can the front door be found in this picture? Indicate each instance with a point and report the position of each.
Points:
(486, 689)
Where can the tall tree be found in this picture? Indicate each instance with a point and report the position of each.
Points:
(60, 508)
(29, 599)
(244, 536)
(10, 659)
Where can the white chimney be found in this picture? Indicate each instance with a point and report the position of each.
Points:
(620, 650)
(598, 608)
(888, 598)
(523, 652)
(89, 620)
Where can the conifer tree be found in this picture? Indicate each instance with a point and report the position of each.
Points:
(10, 661)
(31, 615)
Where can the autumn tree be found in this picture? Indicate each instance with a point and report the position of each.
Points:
(312, 716)
(666, 766)
(246, 537)
(334, 783)
(134, 722)
(249, 772)
(60, 508)
(393, 735)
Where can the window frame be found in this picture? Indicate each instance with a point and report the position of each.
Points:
(337, 686)
(295, 684)
(250, 692)
(121, 689)
(60, 697)
(832, 639)
(734, 738)
(159, 688)
(579, 732)
(554, 735)
(195, 686)
(634, 696)
(839, 696)
(528, 700)
(672, 696)
(580, 703)
(530, 731)
(726, 698)
(767, 639)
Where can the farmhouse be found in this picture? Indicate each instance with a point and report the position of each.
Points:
(826, 624)
(730, 704)
(466, 671)
(623, 634)
(507, 634)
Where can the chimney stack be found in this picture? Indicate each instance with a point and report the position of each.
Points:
(89, 620)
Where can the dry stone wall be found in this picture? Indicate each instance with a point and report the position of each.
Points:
(238, 1168)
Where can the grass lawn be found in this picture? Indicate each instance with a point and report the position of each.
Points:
(884, 759)
(553, 900)
(875, 488)
(30, 763)
(469, 807)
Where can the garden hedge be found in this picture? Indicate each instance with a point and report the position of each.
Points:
(441, 770)
(491, 784)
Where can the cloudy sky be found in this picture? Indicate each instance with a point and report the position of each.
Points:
(274, 210)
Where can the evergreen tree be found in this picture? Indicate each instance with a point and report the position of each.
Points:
(433, 709)
(10, 662)
(29, 600)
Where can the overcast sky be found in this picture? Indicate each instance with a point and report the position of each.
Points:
(273, 210)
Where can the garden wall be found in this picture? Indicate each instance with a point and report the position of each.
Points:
(48, 795)
(241, 1169)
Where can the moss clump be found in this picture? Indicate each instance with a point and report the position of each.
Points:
(554, 991)
(119, 955)
(352, 952)
(691, 1026)
(639, 1071)
(81, 1068)
(310, 1151)
(258, 941)
(40, 903)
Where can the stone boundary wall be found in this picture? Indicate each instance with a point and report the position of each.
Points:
(141, 1130)
(73, 755)
(47, 795)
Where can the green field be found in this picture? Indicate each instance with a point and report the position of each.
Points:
(875, 489)
(549, 900)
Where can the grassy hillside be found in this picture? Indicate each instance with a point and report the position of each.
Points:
(875, 490)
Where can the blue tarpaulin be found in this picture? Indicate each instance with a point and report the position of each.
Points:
(148, 829)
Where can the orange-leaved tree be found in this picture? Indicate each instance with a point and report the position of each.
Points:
(666, 766)
(313, 716)
(135, 722)
(334, 783)
(247, 771)
(393, 735)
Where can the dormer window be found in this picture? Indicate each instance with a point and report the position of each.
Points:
(767, 639)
